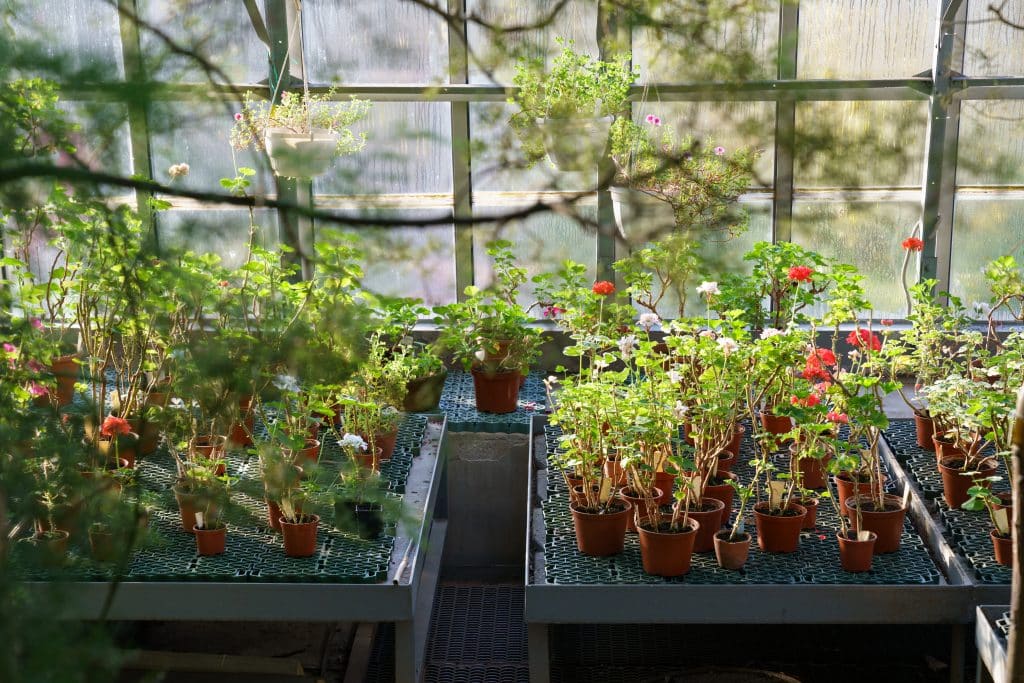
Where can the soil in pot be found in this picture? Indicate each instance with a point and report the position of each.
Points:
(887, 523)
(710, 518)
(300, 536)
(665, 552)
(630, 496)
(779, 533)
(424, 394)
(925, 428)
(731, 554)
(601, 533)
(210, 541)
(718, 488)
(496, 392)
(811, 519)
(1003, 548)
(855, 554)
(955, 483)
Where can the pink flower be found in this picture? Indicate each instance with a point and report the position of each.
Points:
(37, 389)
(37, 323)
(800, 273)
(35, 366)
(552, 311)
(238, 116)
(650, 118)
(656, 121)
(838, 418)
(10, 348)
(719, 150)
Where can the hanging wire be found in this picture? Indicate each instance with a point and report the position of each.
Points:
(302, 64)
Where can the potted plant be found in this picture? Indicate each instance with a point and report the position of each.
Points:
(359, 498)
(982, 498)
(566, 112)
(491, 334)
(303, 133)
(732, 546)
(298, 528)
(670, 186)
(1006, 281)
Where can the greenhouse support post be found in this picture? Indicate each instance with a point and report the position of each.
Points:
(1015, 643)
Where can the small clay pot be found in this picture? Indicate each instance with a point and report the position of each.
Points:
(731, 554)
(601, 534)
(925, 428)
(811, 519)
(385, 442)
(309, 453)
(855, 555)
(726, 460)
(812, 471)
(846, 487)
(887, 524)
(710, 519)
(664, 552)
(665, 481)
(496, 392)
(66, 369)
(210, 541)
(776, 424)
(779, 533)
(638, 504)
(187, 509)
(723, 492)
(955, 484)
(300, 537)
(1003, 548)
(52, 547)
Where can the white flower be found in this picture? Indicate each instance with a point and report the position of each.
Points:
(600, 363)
(551, 380)
(675, 377)
(177, 404)
(626, 344)
(480, 355)
(287, 383)
(707, 334)
(352, 442)
(680, 411)
(178, 170)
(728, 344)
(648, 320)
(770, 332)
(854, 355)
(709, 288)
(980, 307)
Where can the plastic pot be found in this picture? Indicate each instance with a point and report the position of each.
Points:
(640, 216)
(210, 541)
(300, 155)
(664, 552)
(779, 533)
(575, 143)
(496, 392)
(424, 394)
(731, 554)
(855, 555)
(601, 534)
(925, 428)
(1002, 546)
(955, 483)
(300, 537)
(887, 523)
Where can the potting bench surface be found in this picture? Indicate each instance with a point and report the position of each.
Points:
(965, 531)
(991, 631)
(458, 403)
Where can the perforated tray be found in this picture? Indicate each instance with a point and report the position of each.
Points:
(458, 403)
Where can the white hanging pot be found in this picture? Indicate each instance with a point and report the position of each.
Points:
(575, 144)
(299, 155)
(641, 217)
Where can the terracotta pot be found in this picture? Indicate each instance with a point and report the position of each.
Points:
(385, 442)
(499, 354)
(300, 538)
(925, 427)
(811, 505)
(496, 392)
(888, 523)
(731, 554)
(365, 460)
(955, 484)
(664, 553)
(122, 450)
(273, 514)
(846, 487)
(738, 433)
(779, 533)
(241, 431)
(664, 481)
(187, 508)
(812, 471)
(52, 547)
(776, 424)
(310, 453)
(947, 449)
(66, 518)
(66, 369)
(424, 394)
(601, 535)
(1005, 502)
(210, 447)
(710, 520)
(726, 461)
(613, 470)
(1003, 548)
(723, 492)
(102, 545)
(856, 555)
(638, 505)
(210, 541)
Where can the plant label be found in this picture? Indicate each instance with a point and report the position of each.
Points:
(863, 535)
(906, 497)
(694, 484)
(606, 489)
(1002, 521)
(777, 489)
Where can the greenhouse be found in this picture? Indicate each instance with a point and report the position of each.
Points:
(512, 340)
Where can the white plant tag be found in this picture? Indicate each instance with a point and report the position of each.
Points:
(1002, 521)
(694, 483)
(776, 490)
(863, 535)
(906, 497)
(199, 520)
(606, 489)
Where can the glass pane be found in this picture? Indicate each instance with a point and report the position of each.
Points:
(498, 162)
(414, 261)
(407, 150)
(218, 31)
(386, 41)
(721, 257)
(494, 60)
(540, 243)
(991, 142)
(104, 141)
(859, 144)
(866, 234)
(744, 46)
(983, 228)
(857, 39)
(197, 134)
(224, 232)
(83, 34)
(993, 45)
(730, 124)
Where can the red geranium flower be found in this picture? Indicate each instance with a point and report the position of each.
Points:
(865, 339)
(913, 244)
(800, 273)
(822, 356)
(113, 426)
(838, 418)
(603, 287)
(809, 402)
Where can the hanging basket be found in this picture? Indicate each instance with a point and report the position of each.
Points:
(299, 155)
(575, 144)
(641, 217)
